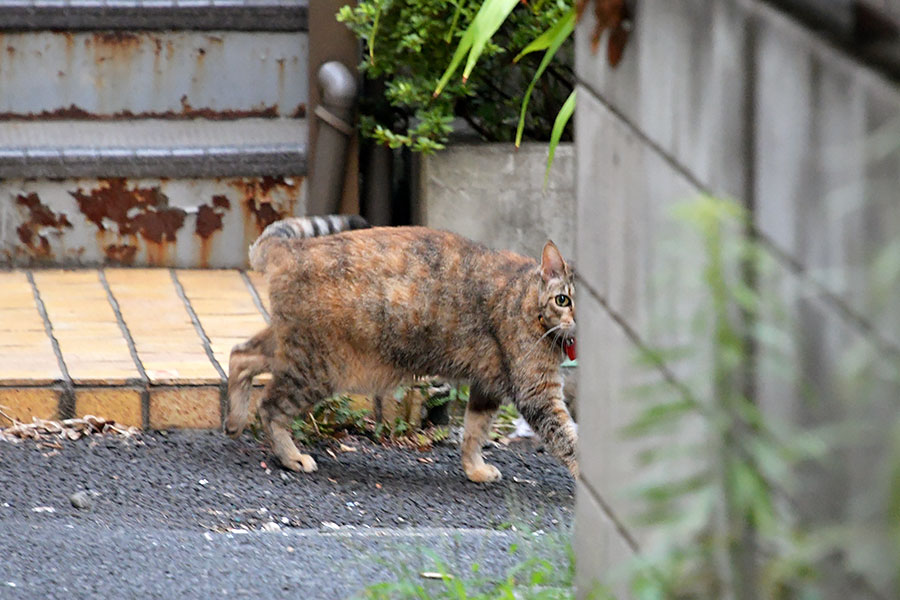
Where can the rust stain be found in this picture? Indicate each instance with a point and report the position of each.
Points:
(209, 221)
(209, 217)
(11, 50)
(300, 111)
(116, 38)
(32, 233)
(120, 253)
(136, 211)
(187, 112)
(259, 203)
(263, 212)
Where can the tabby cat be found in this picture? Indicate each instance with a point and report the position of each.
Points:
(368, 308)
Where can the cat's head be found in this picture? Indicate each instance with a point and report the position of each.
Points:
(556, 295)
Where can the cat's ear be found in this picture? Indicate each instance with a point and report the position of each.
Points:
(552, 263)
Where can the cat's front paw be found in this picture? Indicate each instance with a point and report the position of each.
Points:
(303, 462)
(483, 473)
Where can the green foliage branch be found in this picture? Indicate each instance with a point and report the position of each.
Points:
(409, 44)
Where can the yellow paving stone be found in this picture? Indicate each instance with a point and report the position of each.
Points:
(187, 407)
(262, 287)
(166, 341)
(24, 339)
(25, 403)
(26, 352)
(91, 342)
(122, 405)
(224, 307)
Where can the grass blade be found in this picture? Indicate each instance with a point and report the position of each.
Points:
(562, 117)
(487, 21)
(561, 32)
(543, 41)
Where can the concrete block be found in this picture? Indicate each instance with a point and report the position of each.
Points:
(828, 165)
(603, 554)
(681, 82)
(495, 194)
(630, 248)
(185, 407)
(122, 405)
(23, 403)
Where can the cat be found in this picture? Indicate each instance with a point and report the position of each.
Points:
(356, 308)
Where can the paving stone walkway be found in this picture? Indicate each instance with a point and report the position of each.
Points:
(144, 347)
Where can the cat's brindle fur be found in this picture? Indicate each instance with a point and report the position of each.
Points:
(368, 309)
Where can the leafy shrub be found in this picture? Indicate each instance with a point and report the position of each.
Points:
(409, 44)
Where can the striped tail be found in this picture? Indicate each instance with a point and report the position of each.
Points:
(302, 228)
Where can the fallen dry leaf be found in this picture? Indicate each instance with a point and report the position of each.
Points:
(426, 460)
(346, 448)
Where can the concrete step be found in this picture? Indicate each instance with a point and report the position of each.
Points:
(152, 148)
(144, 347)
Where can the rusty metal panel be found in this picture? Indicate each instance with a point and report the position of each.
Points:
(246, 15)
(174, 74)
(140, 222)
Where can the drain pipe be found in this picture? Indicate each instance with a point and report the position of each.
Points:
(335, 114)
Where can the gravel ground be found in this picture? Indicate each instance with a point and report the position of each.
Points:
(203, 480)
(196, 515)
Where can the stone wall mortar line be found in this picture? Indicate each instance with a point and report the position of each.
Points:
(831, 299)
(123, 326)
(610, 514)
(132, 349)
(257, 300)
(207, 345)
(67, 397)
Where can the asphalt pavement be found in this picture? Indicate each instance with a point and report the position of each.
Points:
(196, 515)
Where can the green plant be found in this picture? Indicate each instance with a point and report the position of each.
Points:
(504, 422)
(330, 418)
(543, 569)
(721, 494)
(409, 43)
(609, 15)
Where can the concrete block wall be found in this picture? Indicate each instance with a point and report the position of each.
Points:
(495, 194)
(735, 99)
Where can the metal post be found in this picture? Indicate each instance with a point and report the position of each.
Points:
(335, 117)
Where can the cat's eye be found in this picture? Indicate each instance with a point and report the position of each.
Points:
(563, 300)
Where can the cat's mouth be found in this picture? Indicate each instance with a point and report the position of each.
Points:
(569, 347)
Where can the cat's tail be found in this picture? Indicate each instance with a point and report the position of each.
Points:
(300, 227)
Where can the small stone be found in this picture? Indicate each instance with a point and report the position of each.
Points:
(271, 526)
(81, 500)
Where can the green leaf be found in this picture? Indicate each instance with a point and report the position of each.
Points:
(561, 32)
(565, 113)
(488, 20)
(546, 39)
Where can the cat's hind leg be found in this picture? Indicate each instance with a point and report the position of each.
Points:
(480, 413)
(247, 360)
(286, 397)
